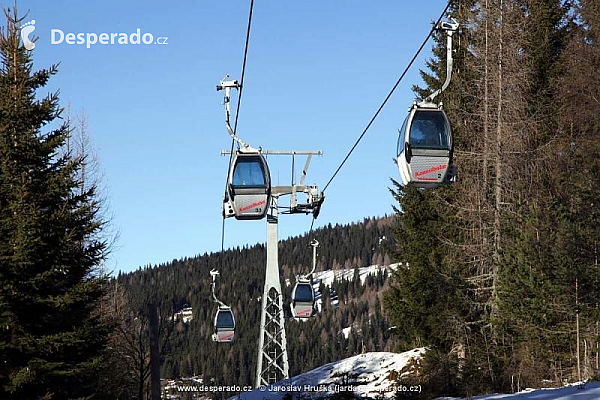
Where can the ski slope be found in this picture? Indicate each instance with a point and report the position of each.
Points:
(374, 375)
(329, 276)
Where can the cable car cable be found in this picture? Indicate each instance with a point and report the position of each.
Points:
(237, 113)
(388, 96)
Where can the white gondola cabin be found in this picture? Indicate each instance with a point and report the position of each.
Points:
(303, 299)
(424, 153)
(248, 187)
(224, 326)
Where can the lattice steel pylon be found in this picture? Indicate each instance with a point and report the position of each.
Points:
(272, 363)
(272, 351)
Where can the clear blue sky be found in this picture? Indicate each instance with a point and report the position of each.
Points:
(316, 72)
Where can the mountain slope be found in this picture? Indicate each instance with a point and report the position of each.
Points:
(185, 283)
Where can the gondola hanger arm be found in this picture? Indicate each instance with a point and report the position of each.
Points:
(449, 27)
(314, 244)
(214, 274)
(227, 85)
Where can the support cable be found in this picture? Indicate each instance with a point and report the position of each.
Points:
(388, 96)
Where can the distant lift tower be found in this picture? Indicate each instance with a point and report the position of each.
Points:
(272, 364)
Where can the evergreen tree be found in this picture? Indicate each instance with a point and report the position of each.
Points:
(433, 300)
(542, 259)
(422, 299)
(52, 340)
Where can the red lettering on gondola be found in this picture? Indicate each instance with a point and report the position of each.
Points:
(440, 167)
(253, 205)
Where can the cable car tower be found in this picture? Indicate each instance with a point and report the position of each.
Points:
(272, 361)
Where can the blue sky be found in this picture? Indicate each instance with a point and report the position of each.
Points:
(316, 72)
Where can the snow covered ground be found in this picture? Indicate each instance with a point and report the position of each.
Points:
(367, 375)
(372, 375)
(588, 391)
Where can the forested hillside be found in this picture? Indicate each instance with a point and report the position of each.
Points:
(503, 279)
(310, 343)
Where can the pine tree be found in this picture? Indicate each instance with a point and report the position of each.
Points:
(421, 299)
(542, 257)
(52, 340)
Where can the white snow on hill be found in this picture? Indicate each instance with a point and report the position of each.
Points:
(328, 276)
(576, 391)
(367, 375)
(588, 391)
(372, 375)
(346, 331)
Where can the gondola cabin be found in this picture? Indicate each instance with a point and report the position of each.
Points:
(224, 327)
(303, 299)
(424, 153)
(248, 187)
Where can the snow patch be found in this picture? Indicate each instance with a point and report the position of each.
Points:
(329, 276)
(576, 391)
(346, 331)
(367, 375)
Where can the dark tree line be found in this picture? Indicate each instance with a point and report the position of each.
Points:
(186, 282)
(503, 275)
